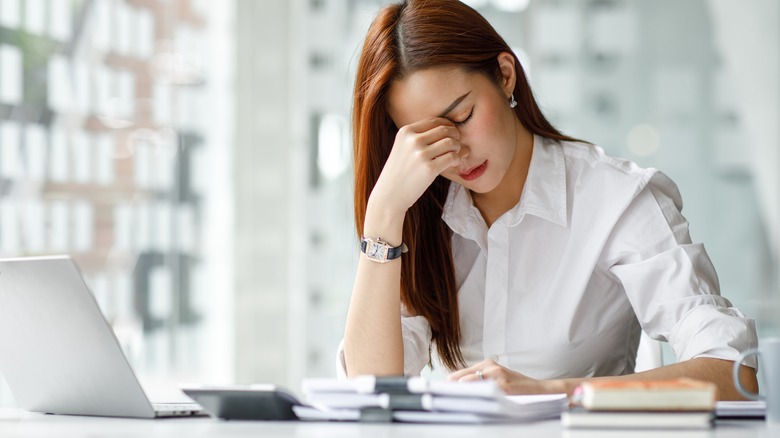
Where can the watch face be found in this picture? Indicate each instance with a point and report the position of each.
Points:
(376, 250)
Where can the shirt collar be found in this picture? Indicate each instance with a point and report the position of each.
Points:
(460, 214)
(544, 193)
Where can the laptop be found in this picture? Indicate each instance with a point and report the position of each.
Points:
(58, 353)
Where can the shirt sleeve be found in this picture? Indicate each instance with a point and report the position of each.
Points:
(416, 334)
(671, 282)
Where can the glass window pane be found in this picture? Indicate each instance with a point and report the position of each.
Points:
(11, 82)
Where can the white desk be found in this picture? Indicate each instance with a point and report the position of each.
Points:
(15, 423)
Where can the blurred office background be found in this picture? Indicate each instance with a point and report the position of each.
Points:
(194, 156)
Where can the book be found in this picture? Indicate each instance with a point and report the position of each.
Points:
(584, 419)
(646, 395)
(417, 399)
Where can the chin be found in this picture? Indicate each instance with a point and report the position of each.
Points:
(479, 186)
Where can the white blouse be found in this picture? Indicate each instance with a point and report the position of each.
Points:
(561, 285)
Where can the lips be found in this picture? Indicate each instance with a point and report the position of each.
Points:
(474, 172)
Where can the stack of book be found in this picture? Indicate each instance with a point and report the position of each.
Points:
(416, 399)
(676, 403)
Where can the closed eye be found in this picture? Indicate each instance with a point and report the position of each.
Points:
(462, 122)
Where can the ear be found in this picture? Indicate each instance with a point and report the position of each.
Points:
(506, 63)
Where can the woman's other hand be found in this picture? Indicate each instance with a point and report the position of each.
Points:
(421, 151)
(511, 382)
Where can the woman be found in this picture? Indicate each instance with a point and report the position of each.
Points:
(519, 253)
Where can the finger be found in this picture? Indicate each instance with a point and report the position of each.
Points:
(425, 125)
(437, 133)
(444, 162)
(473, 377)
(484, 365)
(441, 147)
(465, 371)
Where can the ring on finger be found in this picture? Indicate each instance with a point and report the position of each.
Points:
(479, 374)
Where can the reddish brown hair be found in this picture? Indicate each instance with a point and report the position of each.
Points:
(404, 38)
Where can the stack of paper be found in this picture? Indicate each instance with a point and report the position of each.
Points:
(417, 399)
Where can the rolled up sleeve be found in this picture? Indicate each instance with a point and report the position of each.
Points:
(671, 282)
(708, 330)
(416, 333)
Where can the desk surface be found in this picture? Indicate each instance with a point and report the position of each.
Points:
(18, 423)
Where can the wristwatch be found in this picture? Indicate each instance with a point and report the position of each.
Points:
(377, 250)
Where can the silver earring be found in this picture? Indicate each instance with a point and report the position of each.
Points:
(512, 101)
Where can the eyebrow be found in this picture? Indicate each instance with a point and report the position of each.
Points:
(454, 103)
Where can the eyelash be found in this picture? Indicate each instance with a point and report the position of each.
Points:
(464, 120)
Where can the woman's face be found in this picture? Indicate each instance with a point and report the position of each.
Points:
(478, 108)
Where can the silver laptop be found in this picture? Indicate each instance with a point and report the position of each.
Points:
(58, 353)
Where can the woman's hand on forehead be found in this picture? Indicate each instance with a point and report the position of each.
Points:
(421, 151)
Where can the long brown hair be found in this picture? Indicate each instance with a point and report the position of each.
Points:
(404, 38)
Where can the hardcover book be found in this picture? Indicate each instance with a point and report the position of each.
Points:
(650, 395)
